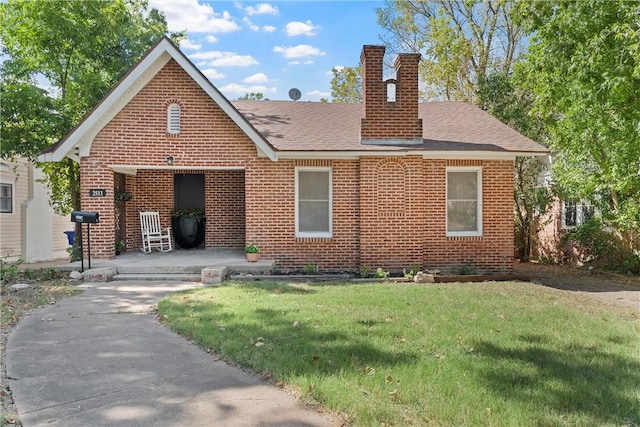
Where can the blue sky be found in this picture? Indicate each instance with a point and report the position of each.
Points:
(271, 47)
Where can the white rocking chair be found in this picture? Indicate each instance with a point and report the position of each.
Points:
(153, 236)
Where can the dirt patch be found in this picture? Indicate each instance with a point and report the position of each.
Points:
(611, 287)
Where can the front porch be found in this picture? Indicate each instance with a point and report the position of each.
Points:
(177, 265)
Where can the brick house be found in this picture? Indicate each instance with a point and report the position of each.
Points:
(381, 184)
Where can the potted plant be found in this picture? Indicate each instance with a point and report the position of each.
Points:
(119, 247)
(188, 227)
(253, 252)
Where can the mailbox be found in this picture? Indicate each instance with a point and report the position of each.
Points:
(84, 217)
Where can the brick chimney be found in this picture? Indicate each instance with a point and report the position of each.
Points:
(387, 122)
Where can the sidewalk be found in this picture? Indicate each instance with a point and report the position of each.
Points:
(102, 359)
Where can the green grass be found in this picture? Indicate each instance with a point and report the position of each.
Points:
(500, 354)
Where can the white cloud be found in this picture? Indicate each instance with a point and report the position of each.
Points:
(307, 62)
(194, 17)
(257, 78)
(297, 28)
(188, 44)
(224, 59)
(212, 74)
(251, 25)
(242, 89)
(319, 94)
(268, 28)
(233, 60)
(211, 39)
(299, 51)
(262, 9)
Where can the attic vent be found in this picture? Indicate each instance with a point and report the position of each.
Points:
(173, 119)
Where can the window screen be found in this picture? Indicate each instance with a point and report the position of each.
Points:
(464, 202)
(313, 202)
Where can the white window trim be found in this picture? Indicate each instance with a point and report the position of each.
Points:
(303, 234)
(579, 206)
(478, 170)
(170, 109)
(13, 198)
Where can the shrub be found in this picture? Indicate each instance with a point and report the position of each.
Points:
(593, 243)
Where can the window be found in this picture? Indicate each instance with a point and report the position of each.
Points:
(173, 119)
(313, 202)
(575, 213)
(6, 198)
(464, 201)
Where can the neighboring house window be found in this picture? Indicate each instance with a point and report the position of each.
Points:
(6, 198)
(575, 213)
(173, 119)
(313, 202)
(464, 201)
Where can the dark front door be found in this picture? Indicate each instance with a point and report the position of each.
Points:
(188, 190)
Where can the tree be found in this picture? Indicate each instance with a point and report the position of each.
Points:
(501, 97)
(346, 85)
(583, 66)
(459, 40)
(253, 96)
(79, 50)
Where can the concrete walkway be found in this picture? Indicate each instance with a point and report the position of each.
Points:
(102, 359)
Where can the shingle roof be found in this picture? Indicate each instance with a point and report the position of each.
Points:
(315, 126)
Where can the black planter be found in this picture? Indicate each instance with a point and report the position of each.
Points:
(189, 232)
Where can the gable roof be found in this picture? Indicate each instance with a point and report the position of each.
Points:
(288, 129)
(78, 142)
(450, 128)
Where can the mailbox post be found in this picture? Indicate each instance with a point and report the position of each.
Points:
(85, 217)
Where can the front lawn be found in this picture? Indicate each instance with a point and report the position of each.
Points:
(500, 354)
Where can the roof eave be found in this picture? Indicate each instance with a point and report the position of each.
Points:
(78, 142)
(441, 154)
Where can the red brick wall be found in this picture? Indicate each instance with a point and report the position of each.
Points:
(225, 209)
(383, 119)
(387, 212)
(270, 199)
(137, 136)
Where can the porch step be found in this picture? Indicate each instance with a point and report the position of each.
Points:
(170, 277)
(159, 269)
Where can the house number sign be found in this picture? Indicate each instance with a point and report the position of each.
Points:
(97, 192)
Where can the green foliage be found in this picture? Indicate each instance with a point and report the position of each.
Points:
(251, 249)
(75, 254)
(505, 99)
(593, 244)
(501, 354)
(346, 85)
(121, 196)
(365, 271)
(459, 41)
(9, 270)
(80, 49)
(195, 213)
(253, 96)
(469, 268)
(311, 268)
(411, 273)
(583, 66)
(381, 273)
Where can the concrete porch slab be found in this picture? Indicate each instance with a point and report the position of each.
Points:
(187, 264)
